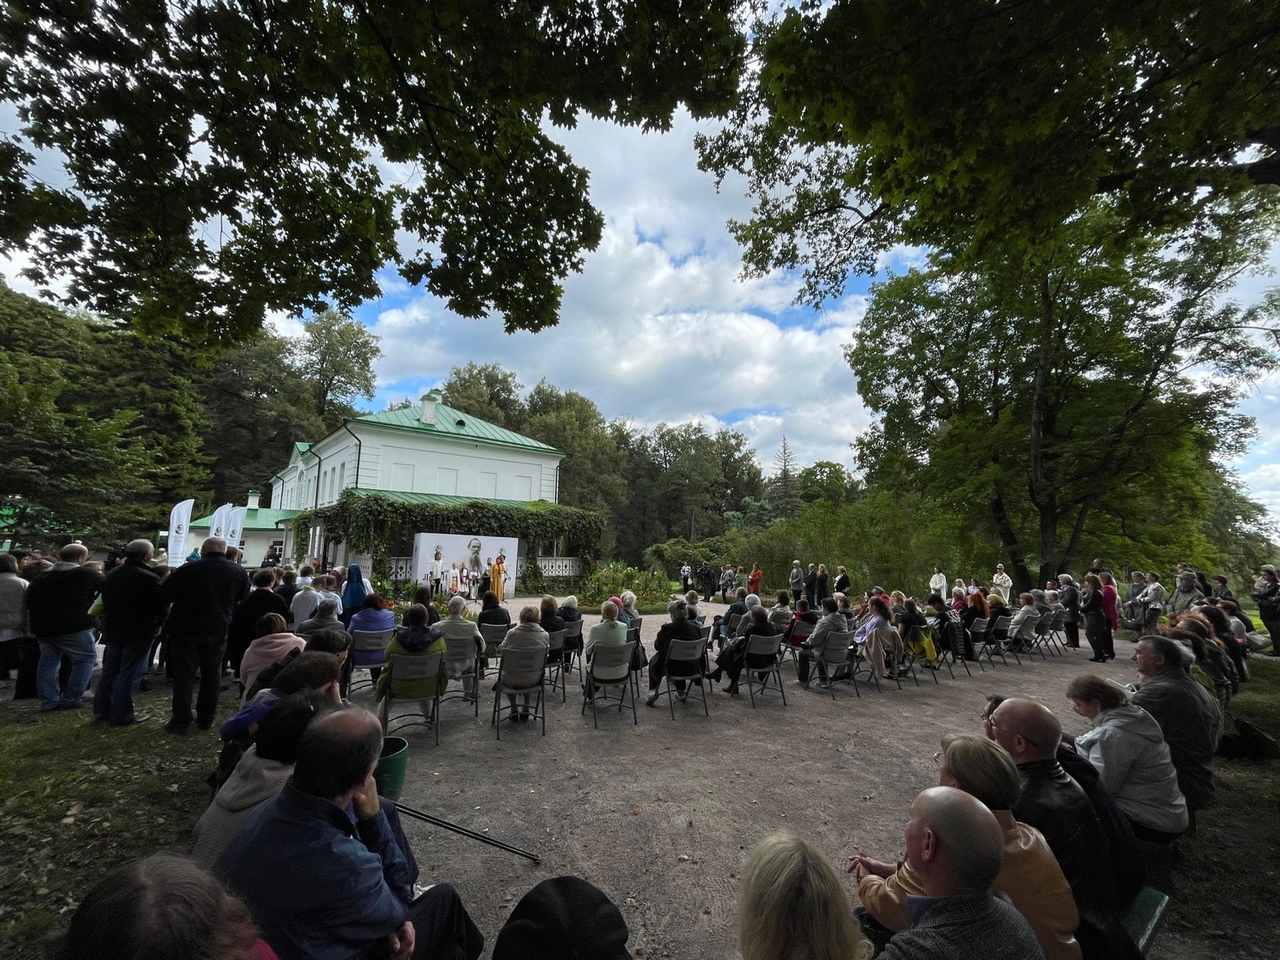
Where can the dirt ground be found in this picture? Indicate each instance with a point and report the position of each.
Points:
(661, 814)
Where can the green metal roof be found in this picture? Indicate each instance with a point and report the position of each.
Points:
(264, 518)
(455, 424)
(435, 499)
(301, 447)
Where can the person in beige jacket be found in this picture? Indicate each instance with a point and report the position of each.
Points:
(1030, 876)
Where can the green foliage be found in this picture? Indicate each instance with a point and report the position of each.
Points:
(1098, 431)
(65, 472)
(221, 161)
(335, 357)
(374, 524)
(784, 485)
(984, 126)
(610, 580)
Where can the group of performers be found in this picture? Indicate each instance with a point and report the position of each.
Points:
(470, 582)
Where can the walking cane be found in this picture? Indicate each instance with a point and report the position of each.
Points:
(440, 822)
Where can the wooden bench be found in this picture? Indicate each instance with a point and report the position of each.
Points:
(1146, 913)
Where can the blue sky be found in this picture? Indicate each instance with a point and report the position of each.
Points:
(659, 326)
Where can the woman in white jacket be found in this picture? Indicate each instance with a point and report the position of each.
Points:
(1127, 748)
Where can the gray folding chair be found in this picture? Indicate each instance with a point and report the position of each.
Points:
(947, 650)
(910, 657)
(764, 646)
(607, 659)
(687, 659)
(462, 651)
(368, 652)
(520, 672)
(800, 631)
(573, 650)
(837, 663)
(555, 663)
(405, 668)
(998, 639)
(494, 634)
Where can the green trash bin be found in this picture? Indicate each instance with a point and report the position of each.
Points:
(392, 767)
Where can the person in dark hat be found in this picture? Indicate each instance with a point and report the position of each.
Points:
(560, 918)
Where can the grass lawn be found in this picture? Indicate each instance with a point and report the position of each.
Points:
(76, 801)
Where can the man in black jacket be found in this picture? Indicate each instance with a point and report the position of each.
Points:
(1058, 807)
(203, 595)
(131, 615)
(58, 603)
(679, 628)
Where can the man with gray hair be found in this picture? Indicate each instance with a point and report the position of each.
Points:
(957, 847)
(131, 617)
(1186, 594)
(680, 627)
(1187, 713)
(326, 618)
(58, 603)
(457, 627)
(202, 597)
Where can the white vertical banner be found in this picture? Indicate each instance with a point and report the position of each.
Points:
(219, 522)
(179, 532)
(235, 526)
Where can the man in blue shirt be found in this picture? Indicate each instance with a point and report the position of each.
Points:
(324, 887)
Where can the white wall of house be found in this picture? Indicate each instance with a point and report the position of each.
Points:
(408, 462)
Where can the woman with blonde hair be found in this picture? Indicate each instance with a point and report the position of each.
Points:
(792, 905)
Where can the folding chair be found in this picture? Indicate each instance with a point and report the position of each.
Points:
(403, 668)
(368, 652)
(607, 659)
(633, 636)
(955, 641)
(494, 634)
(801, 630)
(1043, 639)
(1056, 631)
(911, 656)
(687, 659)
(462, 650)
(995, 638)
(519, 672)
(555, 663)
(764, 646)
(573, 651)
(886, 639)
(836, 662)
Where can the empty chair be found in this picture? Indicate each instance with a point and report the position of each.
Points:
(369, 652)
(405, 669)
(519, 673)
(610, 669)
(686, 661)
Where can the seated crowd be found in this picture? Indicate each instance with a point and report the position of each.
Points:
(1032, 844)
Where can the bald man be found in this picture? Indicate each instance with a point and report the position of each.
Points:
(319, 866)
(957, 847)
(1054, 803)
(131, 618)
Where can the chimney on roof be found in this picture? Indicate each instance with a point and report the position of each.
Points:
(252, 502)
(429, 401)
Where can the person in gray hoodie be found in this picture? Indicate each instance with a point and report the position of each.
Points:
(259, 776)
(1126, 746)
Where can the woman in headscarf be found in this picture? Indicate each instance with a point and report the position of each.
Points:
(354, 592)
